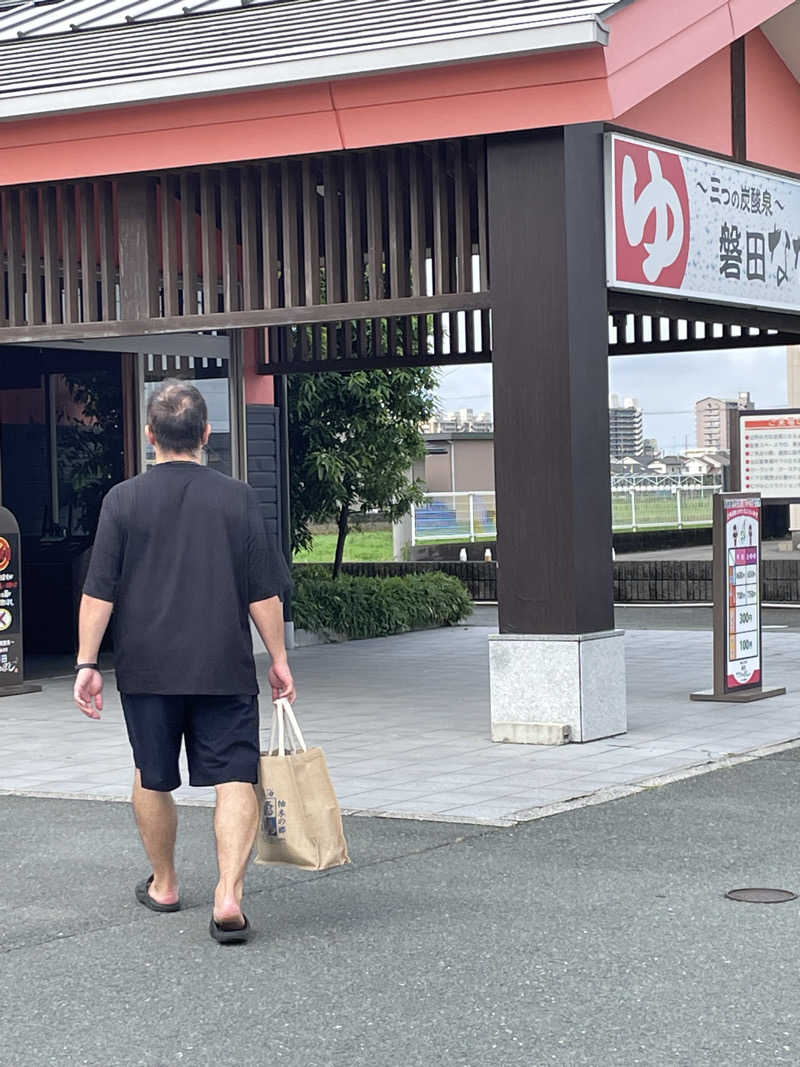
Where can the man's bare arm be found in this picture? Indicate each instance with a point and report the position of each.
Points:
(92, 624)
(268, 617)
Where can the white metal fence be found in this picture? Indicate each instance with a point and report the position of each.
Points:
(454, 517)
(660, 502)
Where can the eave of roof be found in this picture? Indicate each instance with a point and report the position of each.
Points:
(259, 47)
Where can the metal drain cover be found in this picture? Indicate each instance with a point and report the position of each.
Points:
(761, 896)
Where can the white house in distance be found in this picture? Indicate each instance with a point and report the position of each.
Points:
(700, 463)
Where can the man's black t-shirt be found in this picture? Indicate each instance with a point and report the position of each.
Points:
(182, 552)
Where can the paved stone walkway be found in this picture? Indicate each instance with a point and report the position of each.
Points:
(404, 723)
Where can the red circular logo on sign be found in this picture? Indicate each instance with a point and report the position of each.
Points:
(653, 223)
(5, 553)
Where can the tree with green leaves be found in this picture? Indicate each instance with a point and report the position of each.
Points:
(352, 441)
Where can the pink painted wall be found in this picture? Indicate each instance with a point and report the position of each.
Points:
(258, 388)
(773, 107)
(674, 113)
(654, 42)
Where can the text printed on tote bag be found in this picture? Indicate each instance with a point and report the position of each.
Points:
(273, 820)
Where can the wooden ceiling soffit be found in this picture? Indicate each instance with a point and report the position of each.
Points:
(385, 233)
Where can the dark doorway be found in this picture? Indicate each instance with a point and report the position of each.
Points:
(62, 448)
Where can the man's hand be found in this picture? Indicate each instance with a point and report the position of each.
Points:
(88, 692)
(280, 678)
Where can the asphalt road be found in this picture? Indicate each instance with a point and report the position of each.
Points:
(600, 937)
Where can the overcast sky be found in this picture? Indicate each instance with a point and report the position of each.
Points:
(666, 386)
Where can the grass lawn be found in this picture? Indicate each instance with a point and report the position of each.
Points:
(361, 546)
(659, 510)
(375, 546)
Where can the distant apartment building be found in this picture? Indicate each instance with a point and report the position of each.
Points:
(625, 427)
(712, 416)
(459, 462)
(459, 447)
(465, 420)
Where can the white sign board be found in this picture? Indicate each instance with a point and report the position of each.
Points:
(769, 454)
(743, 568)
(683, 224)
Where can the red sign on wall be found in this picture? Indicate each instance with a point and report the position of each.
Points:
(653, 230)
(680, 223)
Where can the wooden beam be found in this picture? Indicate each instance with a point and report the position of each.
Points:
(441, 221)
(372, 363)
(290, 256)
(69, 231)
(668, 307)
(208, 240)
(169, 206)
(16, 298)
(333, 230)
(270, 228)
(463, 220)
(88, 252)
(3, 268)
(706, 344)
(416, 185)
(397, 209)
(188, 183)
(248, 221)
(373, 186)
(354, 312)
(311, 244)
(479, 159)
(52, 272)
(108, 250)
(230, 248)
(354, 250)
(138, 248)
(33, 255)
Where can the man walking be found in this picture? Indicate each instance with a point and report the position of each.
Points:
(182, 559)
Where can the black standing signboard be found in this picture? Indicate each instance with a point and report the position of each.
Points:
(738, 663)
(11, 661)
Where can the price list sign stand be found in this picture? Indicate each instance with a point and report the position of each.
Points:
(738, 661)
(765, 454)
(12, 681)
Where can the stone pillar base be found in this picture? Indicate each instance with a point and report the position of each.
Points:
(542, 683)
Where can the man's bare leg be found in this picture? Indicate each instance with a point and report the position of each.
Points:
(157, 819)
(235, 824)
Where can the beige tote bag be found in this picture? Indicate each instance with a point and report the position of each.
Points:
(300, 823)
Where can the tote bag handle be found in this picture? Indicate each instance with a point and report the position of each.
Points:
(285, 726)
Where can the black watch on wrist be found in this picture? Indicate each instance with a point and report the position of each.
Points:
(87, 667)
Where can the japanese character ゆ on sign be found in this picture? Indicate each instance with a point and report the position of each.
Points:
(690, 225)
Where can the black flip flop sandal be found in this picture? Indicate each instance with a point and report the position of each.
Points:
(143, 896)
(229, 934)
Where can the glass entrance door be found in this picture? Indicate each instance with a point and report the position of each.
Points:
(213, 377)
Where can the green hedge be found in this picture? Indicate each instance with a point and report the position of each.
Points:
(376, 607)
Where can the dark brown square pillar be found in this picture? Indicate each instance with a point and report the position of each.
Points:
(550, 366)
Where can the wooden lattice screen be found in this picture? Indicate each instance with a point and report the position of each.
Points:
(347, 235)
(450, 337)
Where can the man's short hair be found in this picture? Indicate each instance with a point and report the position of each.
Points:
(178, 416)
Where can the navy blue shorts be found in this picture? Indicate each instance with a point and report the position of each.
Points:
(221, 735)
